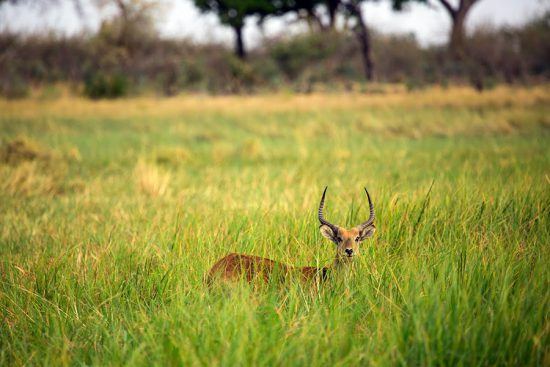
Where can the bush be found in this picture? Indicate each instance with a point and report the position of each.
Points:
(244, 76)
(297, 54)
(12, 84)
(100, 85)
(14, 87)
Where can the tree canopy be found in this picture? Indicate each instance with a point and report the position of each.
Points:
(233, 14)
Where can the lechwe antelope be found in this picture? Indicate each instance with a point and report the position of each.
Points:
(240, 266)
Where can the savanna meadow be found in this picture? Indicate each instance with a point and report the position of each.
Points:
(113, 211)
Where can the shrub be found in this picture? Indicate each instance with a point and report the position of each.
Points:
(13, 86)
(295, 55)
(100, 85)
(243, 74)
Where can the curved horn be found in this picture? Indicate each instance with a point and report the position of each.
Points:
(321, 218)
(371, 210)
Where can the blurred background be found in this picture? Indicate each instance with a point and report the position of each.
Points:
(115, 48)
(113, 210)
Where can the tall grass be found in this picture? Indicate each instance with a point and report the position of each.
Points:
(105, 240)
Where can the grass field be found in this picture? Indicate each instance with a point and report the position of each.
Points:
(111, 212)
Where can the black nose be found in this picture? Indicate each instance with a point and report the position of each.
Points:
(349, 251)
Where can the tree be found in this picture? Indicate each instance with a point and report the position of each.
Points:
(354, 9)
(233, 14)
(133, 24)
(309, 10)
(351, 8)
(458, 18)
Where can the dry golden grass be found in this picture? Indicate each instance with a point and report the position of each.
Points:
(150, 179)
(463, 97)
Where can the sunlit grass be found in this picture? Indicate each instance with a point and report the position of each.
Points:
(107, 231)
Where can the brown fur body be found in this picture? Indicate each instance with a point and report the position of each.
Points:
(240, 266)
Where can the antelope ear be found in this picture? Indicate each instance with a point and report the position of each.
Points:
(327, 232)
(366, 232)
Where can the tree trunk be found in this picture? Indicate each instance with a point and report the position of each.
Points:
(364, 41)
(456, 42)
(239, 43)
(458, 15)
(363, 37)
(332, 7)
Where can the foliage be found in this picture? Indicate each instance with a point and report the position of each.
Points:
(99, 85)
(295, 55)
(534, 43)
(103, 253)
(132, 27)
(301, 62)
(14, 86)
(233, 12)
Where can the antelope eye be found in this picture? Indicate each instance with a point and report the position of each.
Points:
(357, 239)
(339, 239)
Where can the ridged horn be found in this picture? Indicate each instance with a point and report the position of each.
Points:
(320, 213)
(371, 210)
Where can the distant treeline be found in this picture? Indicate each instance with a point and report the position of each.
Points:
(102, 66)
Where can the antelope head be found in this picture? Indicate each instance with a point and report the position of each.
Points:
(347, 241)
